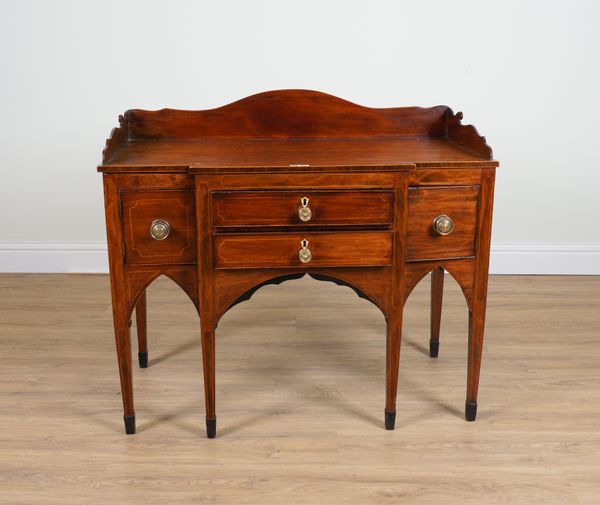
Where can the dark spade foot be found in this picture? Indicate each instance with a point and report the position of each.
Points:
(434, 348)
(129, 424)
(211, 427)
(470, 411)
(143, 359)
(390, 420)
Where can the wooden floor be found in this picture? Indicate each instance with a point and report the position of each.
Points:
(300, 397)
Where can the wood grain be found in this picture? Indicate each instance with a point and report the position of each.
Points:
(299, 114)
(301, 393)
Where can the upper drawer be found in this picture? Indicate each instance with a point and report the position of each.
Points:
(314, 208)
(459, 204)
(150, 215)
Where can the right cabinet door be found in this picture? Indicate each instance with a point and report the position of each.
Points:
(442, 222)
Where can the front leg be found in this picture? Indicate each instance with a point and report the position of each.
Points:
(207, 330)
(476, 327)
(123, 342)
(479, 297)
(394, 336)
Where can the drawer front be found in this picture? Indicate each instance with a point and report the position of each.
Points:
(282, 250)
(309, 208)
(424, 205)
(140, 209)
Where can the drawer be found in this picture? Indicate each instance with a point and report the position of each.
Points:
(282, 250)
(314, 208)
(459, 203)
(140, 209)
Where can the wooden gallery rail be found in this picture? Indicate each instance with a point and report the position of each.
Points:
(294, 182)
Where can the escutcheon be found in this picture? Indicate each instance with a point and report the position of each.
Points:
(304, 212)
(304, 254)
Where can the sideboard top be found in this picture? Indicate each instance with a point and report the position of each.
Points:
(292, 128)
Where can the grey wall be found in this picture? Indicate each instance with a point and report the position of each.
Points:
(526, 73)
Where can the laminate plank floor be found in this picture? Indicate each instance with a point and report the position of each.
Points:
(300, 397)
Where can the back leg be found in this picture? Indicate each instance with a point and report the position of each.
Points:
(437, 292)
(142, 330)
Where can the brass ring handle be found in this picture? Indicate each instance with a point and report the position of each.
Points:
(304, 254)
(304, 212)
(443, 225)
(160, 229)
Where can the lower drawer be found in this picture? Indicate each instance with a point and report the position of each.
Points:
(293, 250)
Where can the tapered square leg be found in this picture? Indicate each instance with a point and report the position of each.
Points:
(394, 334)
(437, 292)
(479, 296)
(208, 363)
(141, 323)
(476, 325)
(123, 341)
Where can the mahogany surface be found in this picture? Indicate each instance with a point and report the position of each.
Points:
(232, 183)
(178, 154)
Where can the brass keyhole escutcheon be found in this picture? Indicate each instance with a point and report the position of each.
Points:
(443, 225)
(304, 212)
(304, 254)
(160, 229)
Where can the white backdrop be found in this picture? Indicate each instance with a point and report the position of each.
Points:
(526, 73)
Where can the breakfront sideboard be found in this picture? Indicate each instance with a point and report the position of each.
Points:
(291, 183)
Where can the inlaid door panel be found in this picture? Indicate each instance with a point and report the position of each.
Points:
(442, 222)
(159, 226)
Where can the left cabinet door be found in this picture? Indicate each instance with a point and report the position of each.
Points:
(158, 226)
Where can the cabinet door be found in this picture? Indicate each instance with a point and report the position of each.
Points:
(150, 214)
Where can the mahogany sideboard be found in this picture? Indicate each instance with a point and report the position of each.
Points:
(287, 183)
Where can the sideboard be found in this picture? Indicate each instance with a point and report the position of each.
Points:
(289, 183)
